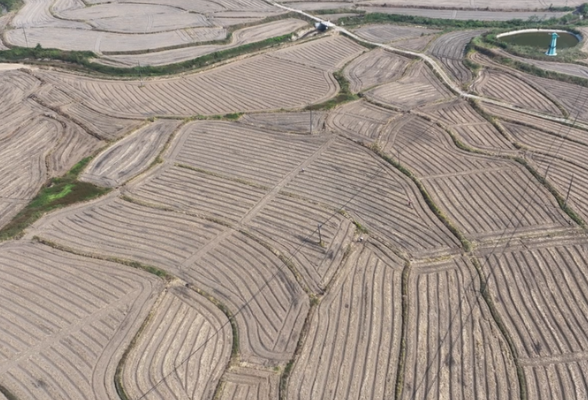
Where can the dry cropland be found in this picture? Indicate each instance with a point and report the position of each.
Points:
(374, 211)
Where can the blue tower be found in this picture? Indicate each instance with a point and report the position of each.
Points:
(552, 50)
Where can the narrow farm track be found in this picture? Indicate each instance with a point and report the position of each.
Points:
(250, 384)
(188, 341)
(351, 349)
(454, 350)
(296, 122)
(66, 320)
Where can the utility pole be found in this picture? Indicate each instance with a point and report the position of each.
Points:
(569, 190)
(25, 35)
(320, 236)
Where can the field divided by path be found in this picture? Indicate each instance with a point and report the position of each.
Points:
(66, 321)
(130, 156)
(187, 341)
(383, 200)
(558, 380)
(450, 49)
(474, 130)
(390, 33)
(453, 348)
(250, 384)
(115, 228)
(351, 349)
(360, 118)
(297, 122)
(373, 68)
(259, 289)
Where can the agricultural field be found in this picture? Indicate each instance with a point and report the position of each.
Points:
(314, 218)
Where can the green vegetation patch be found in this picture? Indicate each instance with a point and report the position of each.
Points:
(344, 95)
(83, 59)
(57, 193)
(11, 5)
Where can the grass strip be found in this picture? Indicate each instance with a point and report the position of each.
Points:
(465, 243)
(523, 393)
(404, 324)
(7, 393)
(57, 193)
(82, 60)
(344, 95)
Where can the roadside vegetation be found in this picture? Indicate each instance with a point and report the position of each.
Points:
(57, 193)
(344, 96)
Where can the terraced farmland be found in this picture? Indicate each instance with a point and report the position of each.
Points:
(66, 321)
(130, 156)
(450, 48)
(391, 33)
(417, 88)
(361, 119)
(197, 340)
(352, 347)
(374, 68)
(572, 97)
(503, 86)
(255, 84)
(453, 349)
(250, 384)
(298, 122)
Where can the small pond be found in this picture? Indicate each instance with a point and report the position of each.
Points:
(541, 39)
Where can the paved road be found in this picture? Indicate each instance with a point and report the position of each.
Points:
(436, 67)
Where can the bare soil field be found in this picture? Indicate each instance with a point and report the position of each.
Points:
(414, 44)
(351, 349)
(478, 4)
(130, 156)
(453, 348)
(450, 48)
(506, 87)
(117, 228)
(380, 199)
(573, 97)
(361, 119)
(250, 384)
(391, 33)
(239, 38)
(288, 122)
(188, 340)
(374, 68)
(563, 380)
(474, 130)
(329, 53)
(259, 289)
(418, 87)
(580, 71)
(66, 321)
(256, 84)
(464, 15)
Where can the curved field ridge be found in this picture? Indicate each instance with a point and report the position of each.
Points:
(329, 54)
(256, 84)
(374, 68)
(539, 291)
(573, 97)
(417, 88)
(503, 86)
(349, 177)
(462, 119)
(187, 341)
(362, 119)
(239, 38)
(250, 154)
(453, 349)
(113, 227)
(296, 122)
(558, 380)
(269, 305)
(391, 33)
(66, 321)
(290, 225)
(198, 192)
(351, 349)
(450, 48)
(130, 156)
(250, 384)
